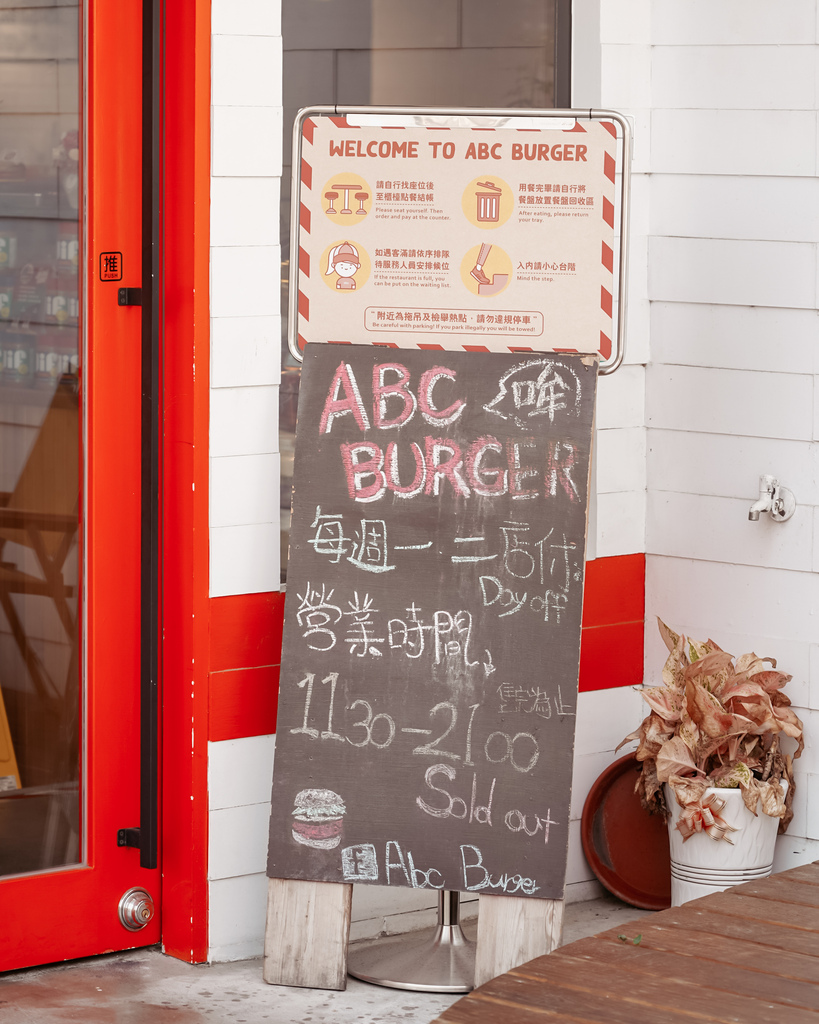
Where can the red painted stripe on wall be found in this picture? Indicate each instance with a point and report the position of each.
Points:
(246, 631)
(246, 635)
(615, 590)
(611, 656)
(243, 702)
(611, 645)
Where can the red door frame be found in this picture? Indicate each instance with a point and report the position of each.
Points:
(34, 928)
(185, 218)
(184, 325)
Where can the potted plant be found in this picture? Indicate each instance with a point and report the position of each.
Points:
(713, 764)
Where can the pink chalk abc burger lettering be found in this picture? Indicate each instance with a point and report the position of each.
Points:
(501, 239)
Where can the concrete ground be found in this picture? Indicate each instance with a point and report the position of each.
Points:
(145, 987)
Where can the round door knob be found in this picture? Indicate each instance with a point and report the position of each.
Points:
(136, 909)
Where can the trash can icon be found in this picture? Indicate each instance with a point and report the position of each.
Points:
(489, 202)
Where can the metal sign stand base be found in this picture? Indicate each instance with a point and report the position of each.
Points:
(444, 963)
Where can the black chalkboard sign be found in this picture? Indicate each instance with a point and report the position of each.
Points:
(432, 619)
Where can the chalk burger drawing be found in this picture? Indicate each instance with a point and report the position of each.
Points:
(343, 260)
(317, 818)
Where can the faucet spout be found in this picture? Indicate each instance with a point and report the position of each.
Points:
(768, 486)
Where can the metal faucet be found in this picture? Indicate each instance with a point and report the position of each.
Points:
(767, 486)
(774, 499)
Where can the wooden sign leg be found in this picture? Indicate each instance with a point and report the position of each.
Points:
(308, 926)
(512, 930)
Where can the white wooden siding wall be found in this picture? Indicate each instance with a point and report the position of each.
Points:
(244, 443)
(731, 389)
(612, 70)
(245, 272)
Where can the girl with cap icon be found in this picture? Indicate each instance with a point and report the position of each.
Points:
(343, 260)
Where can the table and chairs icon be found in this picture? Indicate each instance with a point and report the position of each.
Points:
(346, 188)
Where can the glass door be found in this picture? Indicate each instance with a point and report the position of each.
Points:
(40, 287)
(70, 167)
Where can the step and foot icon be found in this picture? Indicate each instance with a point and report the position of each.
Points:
(487, 285)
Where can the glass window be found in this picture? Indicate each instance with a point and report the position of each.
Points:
(456, 53)
(40, 289)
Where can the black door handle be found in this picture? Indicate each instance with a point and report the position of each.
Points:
(129, 296)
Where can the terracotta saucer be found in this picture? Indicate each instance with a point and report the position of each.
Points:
(626, 847)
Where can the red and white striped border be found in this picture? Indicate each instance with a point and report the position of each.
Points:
(606, 258)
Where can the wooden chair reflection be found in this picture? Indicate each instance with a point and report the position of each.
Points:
(41, 515)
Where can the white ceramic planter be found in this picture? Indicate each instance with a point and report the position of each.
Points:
(702, 866)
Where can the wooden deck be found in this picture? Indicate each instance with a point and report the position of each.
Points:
(748, 955)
